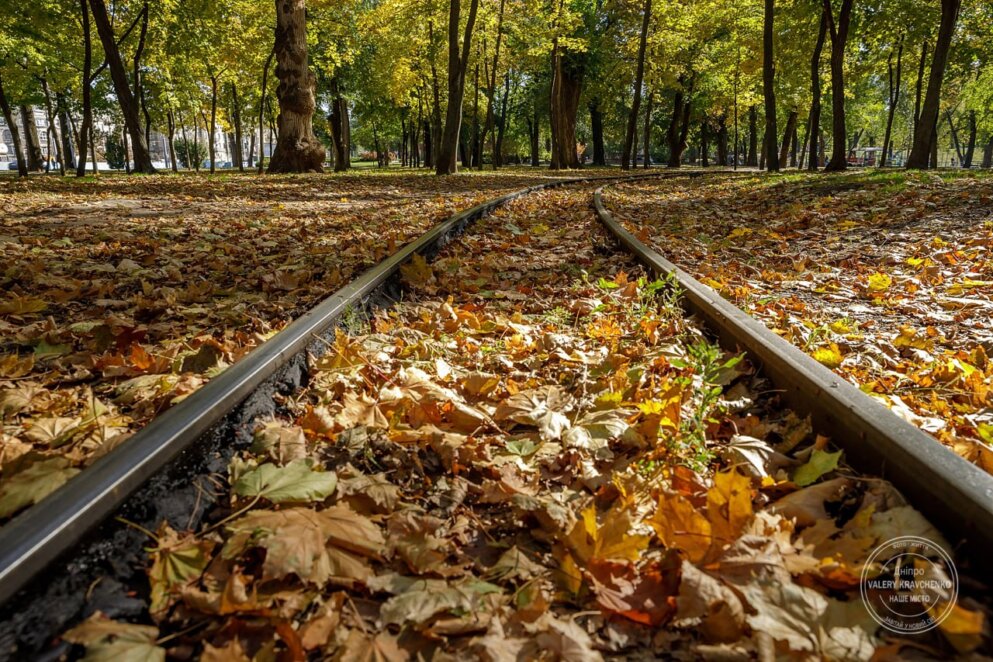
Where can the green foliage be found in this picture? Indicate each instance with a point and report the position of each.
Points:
(189, 152)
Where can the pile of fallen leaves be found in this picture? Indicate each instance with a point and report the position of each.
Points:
(121, 296)
(886, 278)
(535, 456)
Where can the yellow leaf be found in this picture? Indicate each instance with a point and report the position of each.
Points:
(829, 356)
(681, 526)
(417, 271)
(879, 282)
(729, 505)
(962, 628)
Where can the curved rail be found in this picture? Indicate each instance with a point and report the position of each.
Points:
(40, 535)
(951, 492)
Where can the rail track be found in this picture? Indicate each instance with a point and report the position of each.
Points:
(943, 486)
(52, 555)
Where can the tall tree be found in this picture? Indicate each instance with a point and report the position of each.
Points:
(924, 135)
(297, 148)
(125, 97)
(458, 63)
(8, 117)
(814, 121)
(838, 29)
(639, 77)
(769, 86)
(895, 77)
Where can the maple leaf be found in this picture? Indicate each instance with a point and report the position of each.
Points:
(729, 505)
(33, 484)
(313, 545)
(107, 640)
(820, 463)
(176, 563)
(294, 482)
(282, 444)
(679, 525)
(644, 595)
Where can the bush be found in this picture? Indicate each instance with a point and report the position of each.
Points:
(189, 153)
(114, 152)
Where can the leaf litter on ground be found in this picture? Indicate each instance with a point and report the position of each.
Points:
(534, 456)
(884, 277)
(122, 296)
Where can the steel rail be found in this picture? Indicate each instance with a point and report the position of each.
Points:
(46, 531)
(952, 493)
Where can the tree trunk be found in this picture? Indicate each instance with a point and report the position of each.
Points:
(138, 79)
(65, 132)
(647, 137)
(171, 139)
(128, 103)
(919, 96)
(839, 39)
(988, 154)
(491, 88)
(87, 123)
(596, 128)
(567, 82)
(8, 117)
(262, 99)
(679, 124)
(704, 143)
(722, 140)
(955, 138)
(32, 146)
(457, 65)
(769, 86)
(436, 129)
(53, 138)
(814, 120)
(428, 145)
(211, 132)
(124, 144)
(502, 123)
(236, 116)
(629, 147)
(534, 133)
(929, 110)
(970, 149)
(788, 137)
(895, 78)
(338, 118)
(477, 139)
(297, 148)
(752, 158)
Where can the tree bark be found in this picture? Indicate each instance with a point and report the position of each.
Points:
(568, 70)
(534, 133)
(53, 137)
(491, 89)
(839, 39)
(919, 96)
(955, 138)
(127, 101)
(639, 76)
(970, 149)
(769, 86)
(436, 128)
(647, 137)
(502, 123)
(895, 79)
(457, 65)
(679, 124)
(338, 118)
(65, 132)
(919, 154)
(704, 142)
(988, 154)
(722, 140)
(814, 120)
(262, 98)
(297, 148)
(788, 137)
(32, 146)
(596, 129)
(8, 117)
(752, 158)
(171, 139)
(86, 126)
(211, 132)
(236, 116)
(477, 139)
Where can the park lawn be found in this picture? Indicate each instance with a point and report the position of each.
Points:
(123, 295)
(885, 277)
